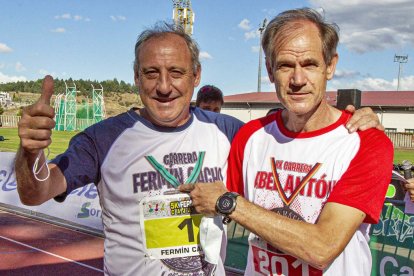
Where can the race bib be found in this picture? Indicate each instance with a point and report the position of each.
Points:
(268, 262)
(170, 226)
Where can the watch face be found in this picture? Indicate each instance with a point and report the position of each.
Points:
(226, 204)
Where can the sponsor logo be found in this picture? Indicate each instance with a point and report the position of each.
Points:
(8, 180)
(86, 211)
(89, 191)
(390, 265)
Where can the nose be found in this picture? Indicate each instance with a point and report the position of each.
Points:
(164, 83)
(298, 77)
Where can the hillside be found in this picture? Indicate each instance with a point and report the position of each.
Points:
(115, 103)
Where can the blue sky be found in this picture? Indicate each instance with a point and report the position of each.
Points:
(94, 39)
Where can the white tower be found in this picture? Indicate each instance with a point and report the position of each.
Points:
(183, 15)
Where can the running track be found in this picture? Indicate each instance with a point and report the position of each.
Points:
(32, 247)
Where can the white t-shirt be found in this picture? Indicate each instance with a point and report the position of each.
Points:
(295, 174)
(130, 159)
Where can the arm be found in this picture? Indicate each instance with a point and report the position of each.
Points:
(362, 119)
(317, 244)
(410, 188)
(35, 130)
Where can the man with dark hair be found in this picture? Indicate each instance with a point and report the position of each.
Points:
(309, 188)
(210, 97)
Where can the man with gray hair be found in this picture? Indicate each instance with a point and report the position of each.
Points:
(137, 159)
(308, 188)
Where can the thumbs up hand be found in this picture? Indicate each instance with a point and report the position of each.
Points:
(35, 126)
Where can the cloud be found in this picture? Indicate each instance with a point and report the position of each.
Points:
(249, 34)
(63, 16)
(68, 16)
(5, 78)
(270, 12)
(58, 30)
(373, 84)
(245, 24)
(116, 18)
(205, 55)
(5, 49)
(371, 25)
(252, 34)
(19, 67)
(346, 74)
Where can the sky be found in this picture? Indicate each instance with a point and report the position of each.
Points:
(94, 39)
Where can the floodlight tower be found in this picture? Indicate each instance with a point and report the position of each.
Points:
(259, 73)
(183, 15)
(400, 60)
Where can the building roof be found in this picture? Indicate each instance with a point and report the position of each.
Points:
(368, 98)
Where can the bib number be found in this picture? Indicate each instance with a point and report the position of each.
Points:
(170, 226)
(271, 263)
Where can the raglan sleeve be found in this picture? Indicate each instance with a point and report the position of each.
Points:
(365, 182)
(79, 163)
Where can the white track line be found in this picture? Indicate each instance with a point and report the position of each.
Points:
(47, 221)
(54, 255)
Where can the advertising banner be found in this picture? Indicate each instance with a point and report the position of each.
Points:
(81, 206)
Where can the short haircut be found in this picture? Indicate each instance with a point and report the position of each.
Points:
(280, 27)
(162, 29)
(209, 93)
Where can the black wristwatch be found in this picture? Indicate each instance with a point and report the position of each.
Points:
(226, 204)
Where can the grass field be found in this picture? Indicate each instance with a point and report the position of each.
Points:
(60, 141)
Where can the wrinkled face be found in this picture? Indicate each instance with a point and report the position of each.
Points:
(214, 106)
(299, 70)
(166, 80)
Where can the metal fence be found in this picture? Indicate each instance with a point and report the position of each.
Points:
(9, 120)
(12, 121)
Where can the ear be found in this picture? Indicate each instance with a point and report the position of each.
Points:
(136, 76)
(197, 76)
(330, 70)
(269, 70)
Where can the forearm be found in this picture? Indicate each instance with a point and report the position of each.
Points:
(308, 242)
(31, 190)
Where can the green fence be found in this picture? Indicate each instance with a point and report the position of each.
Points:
(392, 242)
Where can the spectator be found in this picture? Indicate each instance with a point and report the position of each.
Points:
(210, 97)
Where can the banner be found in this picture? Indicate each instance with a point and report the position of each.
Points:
(81, 206)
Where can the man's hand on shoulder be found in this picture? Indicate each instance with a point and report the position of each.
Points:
(362, 119)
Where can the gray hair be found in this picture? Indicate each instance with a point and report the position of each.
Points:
(161, 29)
(329, 32)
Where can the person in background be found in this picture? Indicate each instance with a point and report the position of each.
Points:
(305, 187)
(210, 97)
